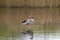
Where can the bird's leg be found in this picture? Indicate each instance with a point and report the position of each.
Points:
(30, 32)
(24, 32)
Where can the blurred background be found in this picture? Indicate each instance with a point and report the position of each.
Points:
(29, 3)
(46, 14)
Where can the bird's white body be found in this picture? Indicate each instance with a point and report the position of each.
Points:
(29, 21)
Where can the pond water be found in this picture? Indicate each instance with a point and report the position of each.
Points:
(35, 37)
(47, 20)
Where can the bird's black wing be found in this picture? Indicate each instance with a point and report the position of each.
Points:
(24, 21)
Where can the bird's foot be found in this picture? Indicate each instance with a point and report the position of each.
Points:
(31, 37)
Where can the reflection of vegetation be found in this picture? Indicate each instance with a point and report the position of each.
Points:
(49, 28)
(2, 3)
(6, 31)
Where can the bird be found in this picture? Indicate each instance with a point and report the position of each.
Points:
(29, 21)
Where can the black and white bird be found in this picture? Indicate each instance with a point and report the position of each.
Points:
(28, 21)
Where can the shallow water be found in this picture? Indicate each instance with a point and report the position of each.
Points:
(35, 37)
(47, 20)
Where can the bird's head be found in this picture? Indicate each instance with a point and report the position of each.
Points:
(31, 17)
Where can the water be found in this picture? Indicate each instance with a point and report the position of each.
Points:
(46, 21)
(35, 37)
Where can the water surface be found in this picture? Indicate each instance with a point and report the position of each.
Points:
(47, 20)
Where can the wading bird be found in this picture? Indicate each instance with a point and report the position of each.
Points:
(28, 22)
